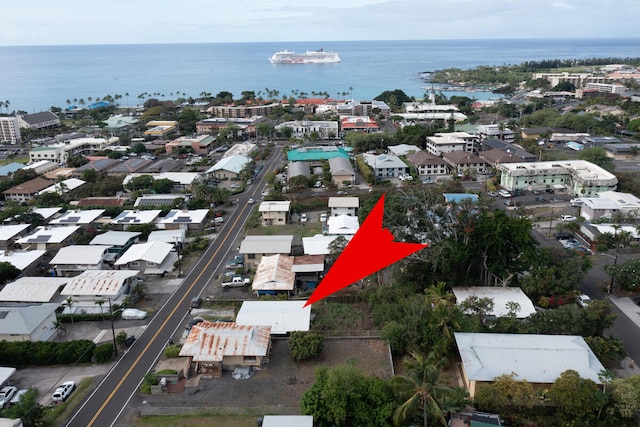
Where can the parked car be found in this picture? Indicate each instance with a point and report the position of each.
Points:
(493, 193)
(563, 236)
(218, 220)
(536, 192)
(540, 199)
(303, 217)
(236, 262)
(568, 218)
(62, 393)
(518, 192)
(16, 397)
(237, 282)
(570, 243)
(133, 314)
(6, 393)
(584, 300)
(195, 302)
(636, 300)
(191, 323)
(550, 190)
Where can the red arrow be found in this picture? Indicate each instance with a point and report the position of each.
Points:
(370, 250)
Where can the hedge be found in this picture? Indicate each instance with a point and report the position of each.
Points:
(21, 354)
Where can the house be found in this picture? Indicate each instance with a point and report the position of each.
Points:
(134, 217)
(244, 149)
(385, 166)
(33, 289)
(26, 261)
(344, 206)
(75, 259)
(27, 190)
(117, 242)
(495, 131)
(98, 286)
(253, 248)
(441, 143)
(119, 122)
(274, 276)
(342, 172)
(229, 167)
(10, 233)
(609, 204)
(316, 154)
(216, 346)
(160, 200)
(282, 317)
(194, 219)
(41, 120)
(47, 238)
(275, 212)
(539, 359)
(200, 144)
(319, 244)
(428, 164)
(295, 169)
(578, 177)
(168, 236)
(151, 258)
(63, 187)
(102, 202)
(342, 225)
(402, 149)
(309, 270)
(512, 150)
(46, 213)
(27, 323)
(463, 163)
(7, 170)
(82, 218)
(503, 299)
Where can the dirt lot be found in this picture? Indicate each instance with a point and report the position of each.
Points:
(280, 384)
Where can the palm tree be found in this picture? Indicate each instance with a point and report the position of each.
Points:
(100, 303)
(69, 303)
(418, 389)
(59, 326)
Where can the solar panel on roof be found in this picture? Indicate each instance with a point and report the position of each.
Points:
(182, 219)
(3, 314)
(71, 219)
(40, 238)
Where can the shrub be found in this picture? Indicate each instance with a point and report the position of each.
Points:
(172, 351)
(305, 345)
(103, 352)
(148, 380)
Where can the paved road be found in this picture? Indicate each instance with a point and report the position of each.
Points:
(106, 404)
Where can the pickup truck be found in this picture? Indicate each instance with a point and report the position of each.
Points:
(63, 392)
(237, 282)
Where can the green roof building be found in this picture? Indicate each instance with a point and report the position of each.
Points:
(309, 154)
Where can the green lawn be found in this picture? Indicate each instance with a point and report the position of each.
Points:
(299, 230)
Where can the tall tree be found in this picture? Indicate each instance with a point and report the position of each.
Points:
(419, 390)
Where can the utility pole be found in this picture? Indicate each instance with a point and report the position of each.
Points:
(113, 331)
(179, 262)
(615, 260)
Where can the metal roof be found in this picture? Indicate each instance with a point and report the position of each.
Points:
(266, 245)
(150, 252)
(274, 274)
(24, 320)
(344, 202)
(233, 164)
(78, 217)
(535, 358)
(51, 235)
(212, 341)
(500, 296)
(281, 316)
(98, 283)
(182, 216)
(9, 231)
(32, 289)
(80, 254)
(136, 217)
(275, 206)
(21, 259)
(114, 238)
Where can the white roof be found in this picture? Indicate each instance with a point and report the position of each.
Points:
(24, 320)
(266, 245)
(581, 170)
(319, 244)
(114, 238)
(282, 316)
(344, 202)
(150, 251)
(535, 358)
(233, 164)
(65, 186)
(623, 200)
(287, 421)
(243, 149)
(9, 231)
(46, 212)
(343, 224)
(383, 161)
(21, 259)
(180, 216)
(167, 236)
(98, 283)
(274, 274)
(597, 203)
(609, 228)
(500, 296)
(78, 217)
(49, 235)
(32, 289)
(79, 254)
(131, 217)
(5, 373)
(275, 206)
(39, 163)
(403, 149)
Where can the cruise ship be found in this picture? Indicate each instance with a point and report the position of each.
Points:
(309, 57)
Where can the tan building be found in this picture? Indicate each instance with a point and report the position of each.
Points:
(275, 212)
(216, 346)
(27, 190)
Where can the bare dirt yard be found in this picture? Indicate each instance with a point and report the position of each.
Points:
(277, 388)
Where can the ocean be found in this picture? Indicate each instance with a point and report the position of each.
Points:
(34, 78)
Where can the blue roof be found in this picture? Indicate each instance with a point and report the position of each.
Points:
(316, 153)
(7, 170)
(459, 197)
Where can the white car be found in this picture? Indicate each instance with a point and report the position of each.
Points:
(303, 217)
(218, 220)
(251, 201)
(63, 391)
(133, 314)
(6, 393)
(584, 300)
(568, 218)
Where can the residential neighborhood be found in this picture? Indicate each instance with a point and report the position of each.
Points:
(188, 250)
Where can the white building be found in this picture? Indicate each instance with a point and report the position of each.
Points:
(403, 149)
(501, 297)
(22, 260)
(151, 258)
(608, 204)
(302, 129)
(9, 130)
(98, 285)
(75, 259)
(282, 316)
(344, 206)
(441, 143)
(33, 289)
(386, 166)
(132, 217)
(495, 131)
(229, 167)
(47, 238)
(319, 244)
(194, 219)
(28, 323)
(78, 217)
(426, 111)
(60, 153)
(342, 225)
(63, 186)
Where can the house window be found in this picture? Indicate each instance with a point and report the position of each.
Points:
(134, 263)
(151, 264)
(250, 359)
(251, 256)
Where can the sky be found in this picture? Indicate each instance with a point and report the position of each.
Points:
(70, 22)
